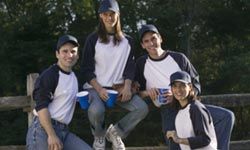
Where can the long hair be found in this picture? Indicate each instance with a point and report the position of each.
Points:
(191, 97)
(103, 34)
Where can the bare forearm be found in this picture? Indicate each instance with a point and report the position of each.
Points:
(54, 142)
(182, 141)
(95, 85)
(45, 120)
(100, 90)
(128, 83)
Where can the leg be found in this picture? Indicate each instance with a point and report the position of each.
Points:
(138, 111)
(73, 142)
(36, 137)
(96, 113)
(168, 115)
(223, 122)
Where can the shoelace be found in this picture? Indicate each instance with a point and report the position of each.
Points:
(100, 140)
(117, 138)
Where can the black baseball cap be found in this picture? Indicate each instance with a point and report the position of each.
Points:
(107, 5)
(147, 28)
(65, 39)
(180, 76)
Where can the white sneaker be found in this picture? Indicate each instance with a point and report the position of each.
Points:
(99, 143)
(113, 137)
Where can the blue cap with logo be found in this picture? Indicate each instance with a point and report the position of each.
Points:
(180, 76)
(147, 28)
(65, 39)
(109, 5)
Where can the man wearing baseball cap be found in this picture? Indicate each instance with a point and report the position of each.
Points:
(55, 95)
(153, 71)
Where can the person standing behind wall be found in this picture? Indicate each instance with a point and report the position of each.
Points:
(55, 95)
(108, 59)
(153, 71)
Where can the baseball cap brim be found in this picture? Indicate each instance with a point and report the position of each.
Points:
(147, 28)
(180, 76)
(67, 39)
(183, 81)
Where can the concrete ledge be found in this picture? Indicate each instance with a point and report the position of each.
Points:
(12, 147)
(240, 145)
(148, 148)
(234, 145)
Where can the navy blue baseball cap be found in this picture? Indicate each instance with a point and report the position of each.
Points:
(147, 28)
(65, 39)
(107, 5)
(180, 76)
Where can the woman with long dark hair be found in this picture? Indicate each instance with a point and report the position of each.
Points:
(107, 60)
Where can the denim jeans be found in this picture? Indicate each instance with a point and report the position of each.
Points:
(37, 137)
(137, 108)
(223, 120)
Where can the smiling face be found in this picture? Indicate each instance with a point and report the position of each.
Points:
(151, 41)
(67, 56)
(181, 91)
(109, 18)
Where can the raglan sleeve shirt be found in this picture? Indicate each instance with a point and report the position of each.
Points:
(88, 60)
(201, 119)
(139, 77)
(129, 71)
(45, 87)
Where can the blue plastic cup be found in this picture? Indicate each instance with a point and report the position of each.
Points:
(83, 98)
(110, 102)
(161, 98)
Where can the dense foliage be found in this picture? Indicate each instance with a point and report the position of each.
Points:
(215, 35)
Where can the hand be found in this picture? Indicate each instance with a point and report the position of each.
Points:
(153, 93)
(169, 96)
(54, 143)
(172, 135)
(103, 94)
(126, 94)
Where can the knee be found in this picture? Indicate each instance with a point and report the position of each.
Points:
(230, 116)
(95, 110)
(143, 109)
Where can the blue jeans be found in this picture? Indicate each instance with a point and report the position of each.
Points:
(137, 108)
(223, 120)
(37, 137)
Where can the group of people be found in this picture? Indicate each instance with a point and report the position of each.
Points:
(108, 59)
